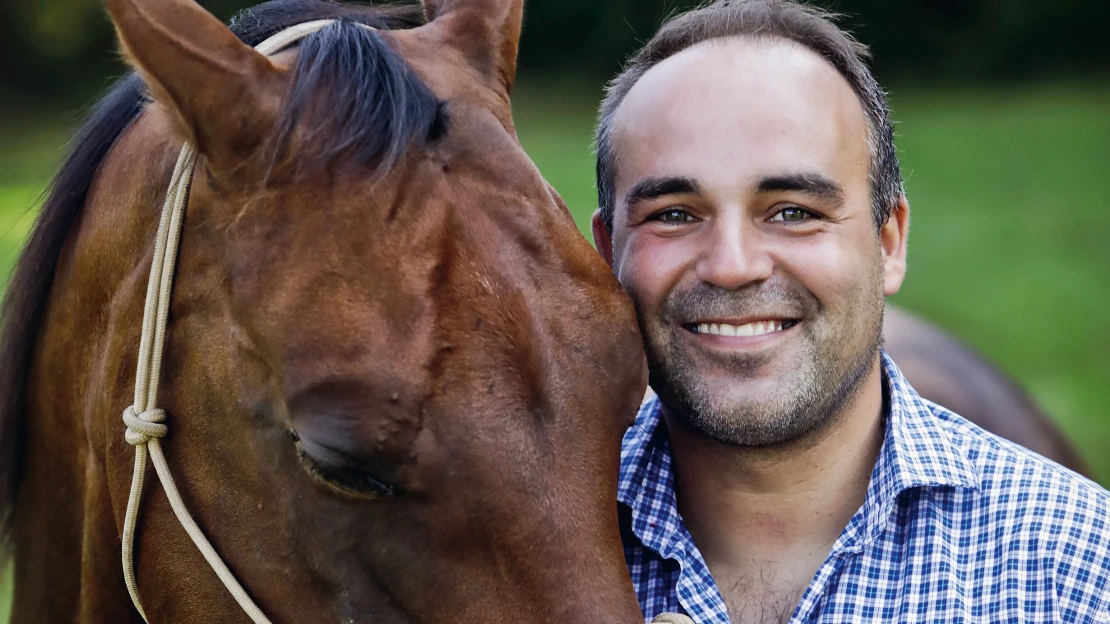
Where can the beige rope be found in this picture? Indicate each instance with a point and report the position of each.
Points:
(145, 422)
(672, 618)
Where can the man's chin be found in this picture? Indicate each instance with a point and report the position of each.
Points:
(755, 396)
(739, 421)
(758, 372)
(752, 387)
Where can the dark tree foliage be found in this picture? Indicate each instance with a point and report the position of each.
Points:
(63, 46)
(959, 40)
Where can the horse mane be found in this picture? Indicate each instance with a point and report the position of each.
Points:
(347, 83)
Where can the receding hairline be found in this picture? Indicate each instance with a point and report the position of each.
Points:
(757, 40)
(622, 89)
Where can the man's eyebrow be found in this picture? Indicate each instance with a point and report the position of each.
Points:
(809, 183)
(650, 188)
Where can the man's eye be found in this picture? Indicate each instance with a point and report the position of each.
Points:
(674, 216)
(792, 215)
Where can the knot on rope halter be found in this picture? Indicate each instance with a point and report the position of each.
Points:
(672, 618)
(142, 427)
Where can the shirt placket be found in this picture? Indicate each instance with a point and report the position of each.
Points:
(808, 609)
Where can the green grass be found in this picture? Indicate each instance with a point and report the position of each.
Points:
(5, 597)
(1011, 210)
(30, 149)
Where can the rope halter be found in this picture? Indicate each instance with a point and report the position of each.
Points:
(672, 618)
(142, 427)
(145, 422)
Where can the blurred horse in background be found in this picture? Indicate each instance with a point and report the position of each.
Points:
(396, 374)
(949, 372)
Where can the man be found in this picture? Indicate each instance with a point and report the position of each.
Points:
(752, 206)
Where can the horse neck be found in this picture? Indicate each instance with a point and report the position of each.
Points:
(80, 380)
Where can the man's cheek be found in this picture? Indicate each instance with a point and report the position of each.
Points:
(635, 278)
(827, 271)
(646, 307)
(652, 267)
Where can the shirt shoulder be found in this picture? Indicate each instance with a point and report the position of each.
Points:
(1042, 513)
(1005, 468)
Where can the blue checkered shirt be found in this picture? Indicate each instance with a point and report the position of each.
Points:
(957, 525)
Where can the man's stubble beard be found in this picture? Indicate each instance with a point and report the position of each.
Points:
(837, 355)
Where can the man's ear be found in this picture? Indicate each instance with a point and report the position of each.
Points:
(603, 238)
(893, 237)
(487, 32)
(223, 93)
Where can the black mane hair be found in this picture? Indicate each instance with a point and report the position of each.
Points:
(359, 102)
(348, 82)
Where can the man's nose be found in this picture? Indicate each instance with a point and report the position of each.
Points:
(734, 256)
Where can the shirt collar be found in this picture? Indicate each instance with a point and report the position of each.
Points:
(646, 483)
(917, 452)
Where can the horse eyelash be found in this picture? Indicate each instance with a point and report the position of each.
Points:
(350, 481)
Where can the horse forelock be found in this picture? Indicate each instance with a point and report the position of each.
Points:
(355, 102)
(355, 71)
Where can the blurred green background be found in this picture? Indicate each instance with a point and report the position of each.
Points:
(1004, 131)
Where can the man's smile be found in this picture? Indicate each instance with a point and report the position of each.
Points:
(740, 333)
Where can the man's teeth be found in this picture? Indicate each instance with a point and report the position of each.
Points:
(758, 328)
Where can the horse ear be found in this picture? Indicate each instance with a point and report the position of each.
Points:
(487, 31)
(224, 94)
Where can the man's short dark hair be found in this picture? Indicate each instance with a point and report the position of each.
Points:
(808, 26)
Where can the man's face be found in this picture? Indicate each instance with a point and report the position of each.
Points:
(743, 233)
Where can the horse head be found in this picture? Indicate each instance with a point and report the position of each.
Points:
(396, 375)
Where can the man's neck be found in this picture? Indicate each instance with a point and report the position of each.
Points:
(777, 510)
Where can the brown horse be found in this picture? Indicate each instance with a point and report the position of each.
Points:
(949, 372)
(396, 375)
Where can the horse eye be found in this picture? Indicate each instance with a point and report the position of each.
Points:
(340, 472)
(354, 436)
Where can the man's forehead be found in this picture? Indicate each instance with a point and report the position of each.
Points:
(772, 94)
(734, 64)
